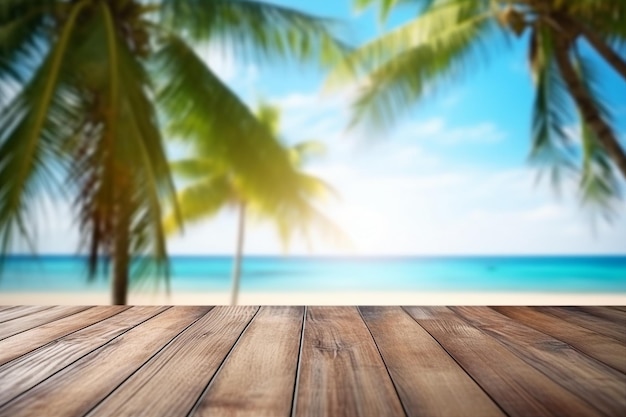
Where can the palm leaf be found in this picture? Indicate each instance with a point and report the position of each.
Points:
(34, 122)
(196, 168)
(202, 110)
(409, 62)
(386, 6)
(303, 151)
(255, 30)
(551, 147)
(121, 169)
(200, 200)
(24, 37)
(600, 185)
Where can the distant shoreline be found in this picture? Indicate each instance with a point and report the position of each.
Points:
(320, 298)
(363, 257)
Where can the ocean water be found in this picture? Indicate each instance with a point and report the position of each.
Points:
(484, 274)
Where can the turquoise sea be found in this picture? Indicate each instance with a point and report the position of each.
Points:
(482, 273)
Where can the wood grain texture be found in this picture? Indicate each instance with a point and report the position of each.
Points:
(600, 347)
(434, 384)
(600, 385)
(80, 387)
(171, 382)
(518, 388)
(341, 361)
(611, 314)
(341, 371)
(21, 343)
(610, 328)
(23, 323)
(258, 377)
(27, 371)
(11, 312)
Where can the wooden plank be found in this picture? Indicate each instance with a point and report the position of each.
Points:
(171, 382)
(602, 348)
(78, 388)
(262, 365)
(518, 388)
(607, 313)
(341, 372)
(21, 324)
(27, 371)
(598, 384)
(428, 380)
(19, 311)
(574, 315)
(21, 343)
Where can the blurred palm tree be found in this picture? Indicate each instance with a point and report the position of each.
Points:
(84, 88)
(284, 196)
(449, 38)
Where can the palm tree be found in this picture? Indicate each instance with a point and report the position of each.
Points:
(283, 196)
(449, 37)
(85, 86)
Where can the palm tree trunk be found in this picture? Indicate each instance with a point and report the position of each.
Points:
(238, 253)
(603, 49)
(121, 246)
(121, 261)
(587, 107)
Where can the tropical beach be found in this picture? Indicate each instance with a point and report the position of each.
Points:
(322, 298)
(288, 208)
(322, 143)
(306, 280)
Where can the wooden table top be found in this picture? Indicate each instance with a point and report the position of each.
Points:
(312, 361)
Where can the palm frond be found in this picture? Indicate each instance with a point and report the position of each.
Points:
(303, 151)
(255, 30)
(34, 123)
(24, 39)
(196, 168)
(201, 200)
(551, 147)
(600, 186)
(605, 18)
(199, 107)
(202, 110)
(386, 6)
(120, 167)
(404, 65)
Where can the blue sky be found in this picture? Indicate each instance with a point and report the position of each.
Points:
(451, 178)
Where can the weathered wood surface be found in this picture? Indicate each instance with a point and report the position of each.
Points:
(186, 365)
(433, 384)
(11, 312)
(312, 361)
(29, 321)
(517, 387)
(341, 371)
(592, 343)
(263, 364)
(29, 340)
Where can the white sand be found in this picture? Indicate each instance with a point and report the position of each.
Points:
(323, 298)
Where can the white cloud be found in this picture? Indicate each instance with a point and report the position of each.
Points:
(439, 212)
(411, 156)
(297, 100)
(546, 212)
(437, 129)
